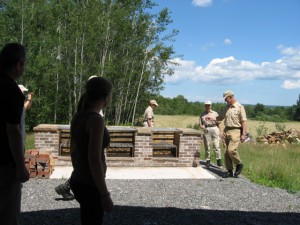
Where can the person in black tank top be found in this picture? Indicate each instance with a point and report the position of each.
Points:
(64, 189)
(89, 138)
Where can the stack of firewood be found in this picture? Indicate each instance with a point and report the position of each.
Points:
(291, 136)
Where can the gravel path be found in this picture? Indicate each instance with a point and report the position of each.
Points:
(159, 202)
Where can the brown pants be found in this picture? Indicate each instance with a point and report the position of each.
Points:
(231, 141)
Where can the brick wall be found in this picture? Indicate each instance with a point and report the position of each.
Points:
(47, 137)
(47, 140)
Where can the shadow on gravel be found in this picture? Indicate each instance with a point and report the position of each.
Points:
(213, 169)
(162, 216)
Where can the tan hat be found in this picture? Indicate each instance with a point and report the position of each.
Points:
(227, 94)
(153, 102)
(22, 88)
(207, 103)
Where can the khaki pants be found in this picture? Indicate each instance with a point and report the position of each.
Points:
(231, 140)
(145, 124)
(10, 196)
(212, 136)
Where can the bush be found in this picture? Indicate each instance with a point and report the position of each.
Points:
(195, 126)
(261, 129)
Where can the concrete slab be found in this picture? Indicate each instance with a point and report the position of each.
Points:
(64, 172)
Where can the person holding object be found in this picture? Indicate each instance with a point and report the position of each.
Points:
(13, 171)
(149, 115)
(89, 138)
(234, 132)
(212, 131)
(27, 106)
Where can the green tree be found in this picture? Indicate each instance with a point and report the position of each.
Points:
(296, 115)
(259, 108)
(68, 41)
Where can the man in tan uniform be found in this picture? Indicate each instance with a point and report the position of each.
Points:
(149, 115)
(211, 132)
(235, 130)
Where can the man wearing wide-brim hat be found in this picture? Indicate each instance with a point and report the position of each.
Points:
(234, 132)
(149, 115)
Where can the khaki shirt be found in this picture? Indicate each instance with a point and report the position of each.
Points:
(148, 114)
(234, 115)
(206, 118)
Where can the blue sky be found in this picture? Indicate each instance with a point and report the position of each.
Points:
(251, 47)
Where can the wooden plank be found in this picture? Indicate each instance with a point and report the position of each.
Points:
(121, 145)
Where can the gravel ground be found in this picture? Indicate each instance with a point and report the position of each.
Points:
(160, 202)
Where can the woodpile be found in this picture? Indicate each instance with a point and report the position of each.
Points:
(291, 136)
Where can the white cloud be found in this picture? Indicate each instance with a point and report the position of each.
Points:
(230, 70)
(289, 50)
(291, 84)
(202, 3)
(227, 41)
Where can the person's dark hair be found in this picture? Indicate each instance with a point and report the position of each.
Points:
(95, 89)
(10, 55)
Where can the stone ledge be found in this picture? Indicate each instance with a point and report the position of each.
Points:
(119, 159)
(165, 159)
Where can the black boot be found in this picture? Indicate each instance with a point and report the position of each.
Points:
(219, 162)
(65, 191)
(208, 163)
(238, 170)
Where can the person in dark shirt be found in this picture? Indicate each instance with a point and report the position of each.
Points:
(12, 165)
(64, 189)
(89, 138)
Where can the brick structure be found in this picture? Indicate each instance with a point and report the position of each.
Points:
(39, 163)
(47, 137)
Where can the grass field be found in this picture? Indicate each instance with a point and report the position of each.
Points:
(183, 121)
(29, 141)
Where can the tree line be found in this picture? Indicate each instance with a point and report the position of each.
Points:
(180, 105)
(68, 41)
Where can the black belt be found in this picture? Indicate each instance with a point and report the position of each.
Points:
(233, 128)
(210, 126)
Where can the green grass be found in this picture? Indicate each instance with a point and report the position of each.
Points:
(29, 141)
(273, 166)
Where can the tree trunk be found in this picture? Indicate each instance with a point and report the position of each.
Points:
(138, 89)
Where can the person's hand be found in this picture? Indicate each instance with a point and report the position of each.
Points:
(243, 138)
(107, 204)
(22, 174)
(30, 96)
(211, 118)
